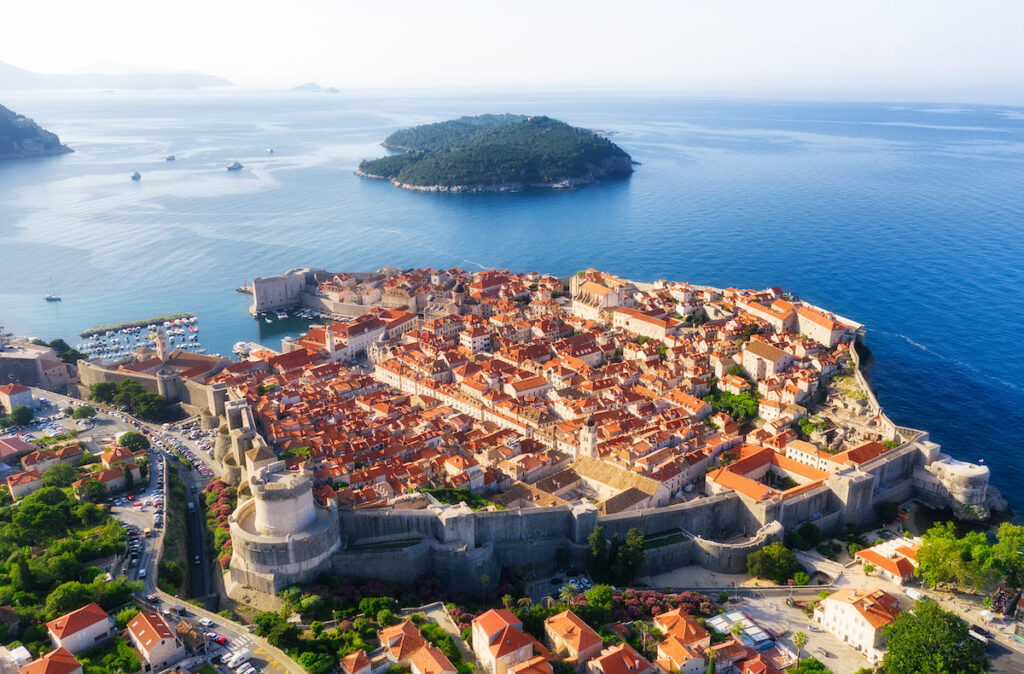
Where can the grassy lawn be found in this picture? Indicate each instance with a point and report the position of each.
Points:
(850, 388)
(206, 669)
(456, 496)
(652, 543)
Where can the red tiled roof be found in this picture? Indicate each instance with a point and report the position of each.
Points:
(76, 621)
(59, 661)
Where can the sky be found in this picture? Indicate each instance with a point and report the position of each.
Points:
(934, 50)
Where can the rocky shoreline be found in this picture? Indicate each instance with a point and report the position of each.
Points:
(616, 167)
(21, 138)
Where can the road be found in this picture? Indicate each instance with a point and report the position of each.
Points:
(264, 656)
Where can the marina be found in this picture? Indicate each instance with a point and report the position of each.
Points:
(120, 341)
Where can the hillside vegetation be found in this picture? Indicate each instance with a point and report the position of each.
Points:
(497, 153)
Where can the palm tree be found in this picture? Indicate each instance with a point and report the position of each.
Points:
(567, 593)
(799, 640)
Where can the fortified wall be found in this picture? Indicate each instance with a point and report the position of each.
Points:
(280, 537)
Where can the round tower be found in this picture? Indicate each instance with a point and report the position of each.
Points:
(283, 501)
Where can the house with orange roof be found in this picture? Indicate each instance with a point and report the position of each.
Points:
(674, 655)
(23, 484)
(430, 660)
(678, 624)
(401, 641)
(499, 642)
(893, 560)
(619, 659)
(59, 661)
(158, 645)
(728, 653)
(81, 629)
(356, 663)
(857, 617)
(571, 639)
(535, 665)
(745, 475)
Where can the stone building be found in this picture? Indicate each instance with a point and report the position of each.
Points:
(281, 536)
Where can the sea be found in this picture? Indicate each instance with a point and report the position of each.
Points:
(908, 218)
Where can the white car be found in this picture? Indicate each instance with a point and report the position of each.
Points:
(205, 622)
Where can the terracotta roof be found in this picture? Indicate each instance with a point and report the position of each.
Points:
(621, 659)
(901, 566)
(77, 620)
(12, 389)
(535, 665)
(877, 607)
(430, 660)
(495, 620)
(23, 478)
(677, 652)
(149, 628)
(571, 629)
(509, 640)
(59, 661)
(402, 639)
(354, 662)
(676, 623)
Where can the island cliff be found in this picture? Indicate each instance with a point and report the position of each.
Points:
(21, 137)
(497, 153)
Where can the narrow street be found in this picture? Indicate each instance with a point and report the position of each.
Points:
(106, 424)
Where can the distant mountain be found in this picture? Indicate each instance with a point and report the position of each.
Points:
(313, 86)
(21, 137)
(12, 77)
(497, 153)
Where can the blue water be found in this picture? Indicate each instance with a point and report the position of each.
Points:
(908, 218)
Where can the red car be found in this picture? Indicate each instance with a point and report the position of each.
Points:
(221, 640)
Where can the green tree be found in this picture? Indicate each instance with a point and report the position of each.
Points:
(774, 562)
(630, 557)
(801, 578)
(371, 606)
(931, 640)
(125, 617)
(800, 641)
(134, 442)
(84, 412)
(59, 475)
(1008, 552)
(92, 491)
(597, 561)
(567, 593)
(969, 562)
(68, 597)
(103, 392)
(21, 415)
(812, 666)
(385, 617)
(316, 662)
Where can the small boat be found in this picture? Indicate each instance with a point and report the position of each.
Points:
(52, 296)
(169, 157)
(270, 150)
(235, 166)
(136, 176)
(267, 320)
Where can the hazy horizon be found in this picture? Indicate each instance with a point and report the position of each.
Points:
(916, 50)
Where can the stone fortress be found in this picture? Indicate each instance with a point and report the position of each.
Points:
(281, 536)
